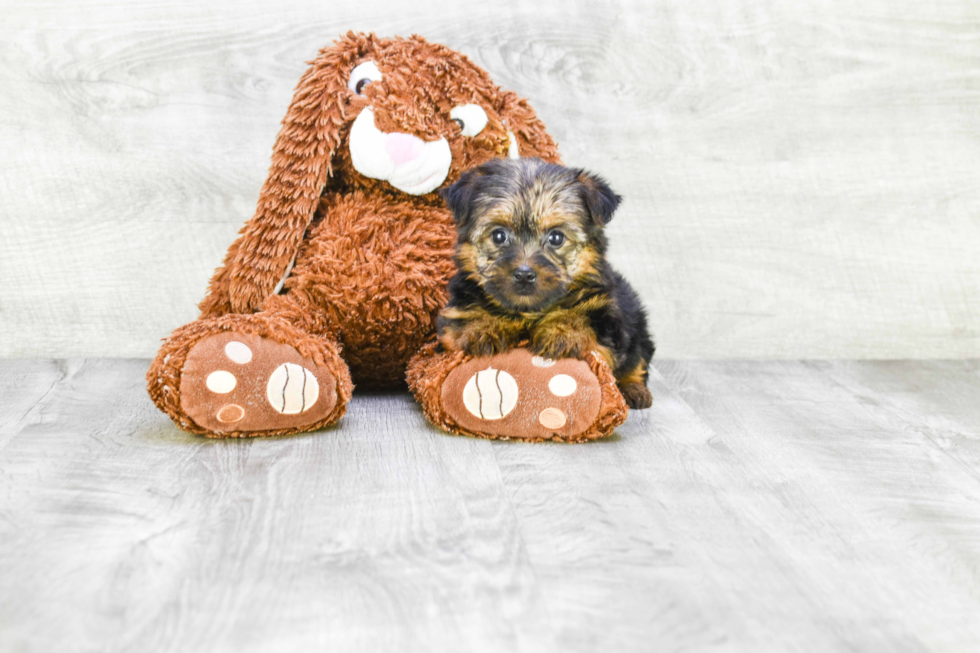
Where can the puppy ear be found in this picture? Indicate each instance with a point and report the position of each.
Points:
(599, 198)
(459, 197)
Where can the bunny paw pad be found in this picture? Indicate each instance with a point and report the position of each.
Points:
(519, 395)
(235, 382)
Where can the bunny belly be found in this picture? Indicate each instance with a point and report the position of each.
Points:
(378, 269)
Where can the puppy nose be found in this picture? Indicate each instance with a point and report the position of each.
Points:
(525, 274)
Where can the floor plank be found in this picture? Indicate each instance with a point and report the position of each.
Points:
(939, 399)
(866, 520)
(23, 387)
(805, 506)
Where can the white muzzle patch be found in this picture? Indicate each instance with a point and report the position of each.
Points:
(406, 162)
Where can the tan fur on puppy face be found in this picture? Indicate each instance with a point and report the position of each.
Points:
(534, 220)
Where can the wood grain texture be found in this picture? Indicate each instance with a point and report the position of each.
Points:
(758, 506)
(800, 177)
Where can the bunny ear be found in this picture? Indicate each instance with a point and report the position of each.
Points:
(301, 165)
(529, 137)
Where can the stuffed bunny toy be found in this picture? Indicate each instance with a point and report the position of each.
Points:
(339, 276)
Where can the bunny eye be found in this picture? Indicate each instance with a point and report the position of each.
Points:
(362, 75)
(471, 118)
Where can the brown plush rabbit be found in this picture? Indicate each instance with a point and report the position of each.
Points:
(341, 272)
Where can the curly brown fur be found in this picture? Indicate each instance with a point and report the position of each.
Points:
(421, 83)
(370, 262)
(531, 264)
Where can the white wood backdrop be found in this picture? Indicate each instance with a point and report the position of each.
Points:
(801, 176)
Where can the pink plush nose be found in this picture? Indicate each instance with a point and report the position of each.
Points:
(403, 147)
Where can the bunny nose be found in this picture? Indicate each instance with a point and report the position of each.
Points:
(403, 147)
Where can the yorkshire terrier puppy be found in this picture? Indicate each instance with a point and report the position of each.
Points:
(530, 258)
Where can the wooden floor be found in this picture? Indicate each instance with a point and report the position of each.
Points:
(758, 506)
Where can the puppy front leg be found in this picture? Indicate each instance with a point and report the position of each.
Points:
(476, 332)
(563, 334)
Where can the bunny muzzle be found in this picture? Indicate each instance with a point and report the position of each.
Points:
(407, 162)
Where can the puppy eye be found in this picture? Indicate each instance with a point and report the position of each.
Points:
(362, 75)
(471, 118)
(498, 236)
(556, 238)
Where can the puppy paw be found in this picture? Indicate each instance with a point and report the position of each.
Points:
(637, 395)
(484, 343)
(563, 334)
(479, 337)
(562, 343)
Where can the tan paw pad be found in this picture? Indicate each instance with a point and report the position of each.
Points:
(490, 394)
(292, 389)
(238, 352)
(230, 413)
(562, 385)
(236, 382)
(518, 395)
(552, 418)
(221, 382)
